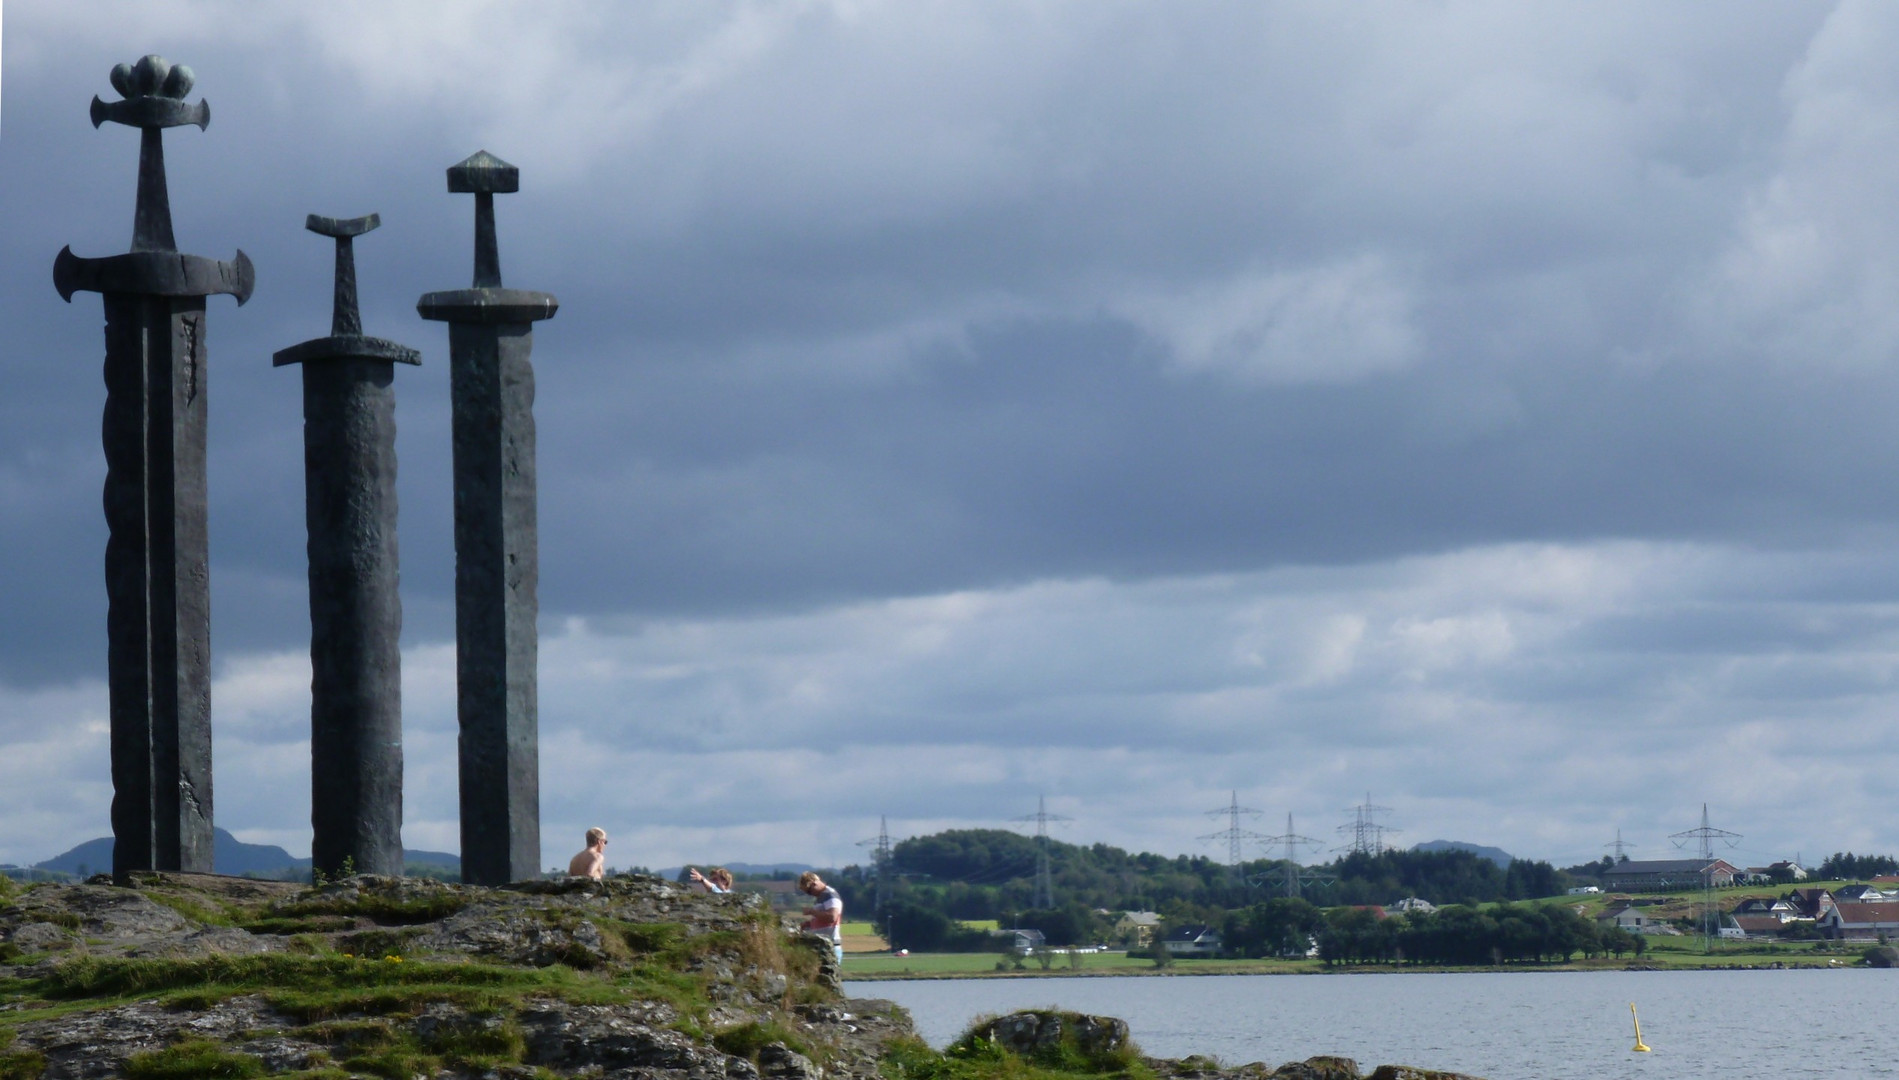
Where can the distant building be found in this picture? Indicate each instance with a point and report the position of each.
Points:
(1630, 917)
(1861, 922)
(1194, 941)
(1027, 941)
(1752, 926)
(1135, 929)
(1411, 903)
(1663, 875)
(1767, 907)
(1810, 903)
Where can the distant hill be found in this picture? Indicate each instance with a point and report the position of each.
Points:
(229, 856)
(1496, 855)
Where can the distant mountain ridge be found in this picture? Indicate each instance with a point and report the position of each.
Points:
(229, 855)
(1496, 855)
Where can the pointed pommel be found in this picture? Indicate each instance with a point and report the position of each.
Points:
(342, 228)
(483, 172)
(154, 91)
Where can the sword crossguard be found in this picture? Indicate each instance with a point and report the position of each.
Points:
(342, 228)
(154, 273)
(345, 318)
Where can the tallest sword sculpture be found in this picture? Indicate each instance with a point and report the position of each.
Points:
(158, 620)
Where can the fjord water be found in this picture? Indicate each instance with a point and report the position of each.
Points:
(1734, 1025)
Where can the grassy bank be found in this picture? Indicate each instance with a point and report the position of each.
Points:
(1663, 953)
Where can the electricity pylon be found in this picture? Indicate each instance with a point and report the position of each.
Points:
(1367, 835)
(1710, 918)
(1233, 834)
(1619, 845)
(1293, 842)
(1044, 882)
(880, 860)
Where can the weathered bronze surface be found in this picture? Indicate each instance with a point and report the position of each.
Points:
(158, 620)
(497, 572)
(349, 477)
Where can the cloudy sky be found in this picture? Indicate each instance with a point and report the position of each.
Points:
(1488, 408)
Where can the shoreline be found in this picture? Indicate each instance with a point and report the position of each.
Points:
(935, 976)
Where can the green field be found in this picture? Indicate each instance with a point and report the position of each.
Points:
(1664, 953)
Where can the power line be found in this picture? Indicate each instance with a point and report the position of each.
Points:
(1293, 842)
(1233, 834)
(1044, 882)
(1367, 835)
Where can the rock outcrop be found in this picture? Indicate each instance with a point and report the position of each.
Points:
(635, 978)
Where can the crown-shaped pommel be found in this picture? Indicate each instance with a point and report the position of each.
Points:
(154, 90)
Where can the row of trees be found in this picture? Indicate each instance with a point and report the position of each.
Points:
(1507, 933)
(979, 874)
(1846, 866)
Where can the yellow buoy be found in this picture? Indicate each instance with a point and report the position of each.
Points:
(1640, 1046)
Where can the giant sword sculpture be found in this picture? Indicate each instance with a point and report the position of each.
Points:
(158, 620)
(349, 483)
(497, 573)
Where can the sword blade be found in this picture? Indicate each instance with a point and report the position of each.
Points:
(158, 583)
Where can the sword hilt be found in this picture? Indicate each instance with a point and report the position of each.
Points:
(154, 91)
(483, 174)
(346, 340)
(345, 317)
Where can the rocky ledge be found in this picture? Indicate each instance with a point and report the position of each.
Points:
(636, 978)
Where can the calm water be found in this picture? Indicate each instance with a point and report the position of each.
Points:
(1734, 1025)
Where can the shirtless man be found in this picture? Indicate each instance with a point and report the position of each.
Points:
(827, 915)
(593, 861)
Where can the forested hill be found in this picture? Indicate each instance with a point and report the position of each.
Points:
(990, 874)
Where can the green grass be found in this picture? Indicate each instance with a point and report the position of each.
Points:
(317, 988)
(746, 1040)
(22, 1065)
(192, 1060)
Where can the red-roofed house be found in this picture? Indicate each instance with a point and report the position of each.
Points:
(1863, 922)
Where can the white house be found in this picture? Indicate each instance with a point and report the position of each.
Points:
(1194, 941)
(1862, 922)
(1631, 918)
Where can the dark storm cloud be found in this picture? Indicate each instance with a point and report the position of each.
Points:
(985, 394)
(857, 305)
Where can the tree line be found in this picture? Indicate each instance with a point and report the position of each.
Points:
(939, 881)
